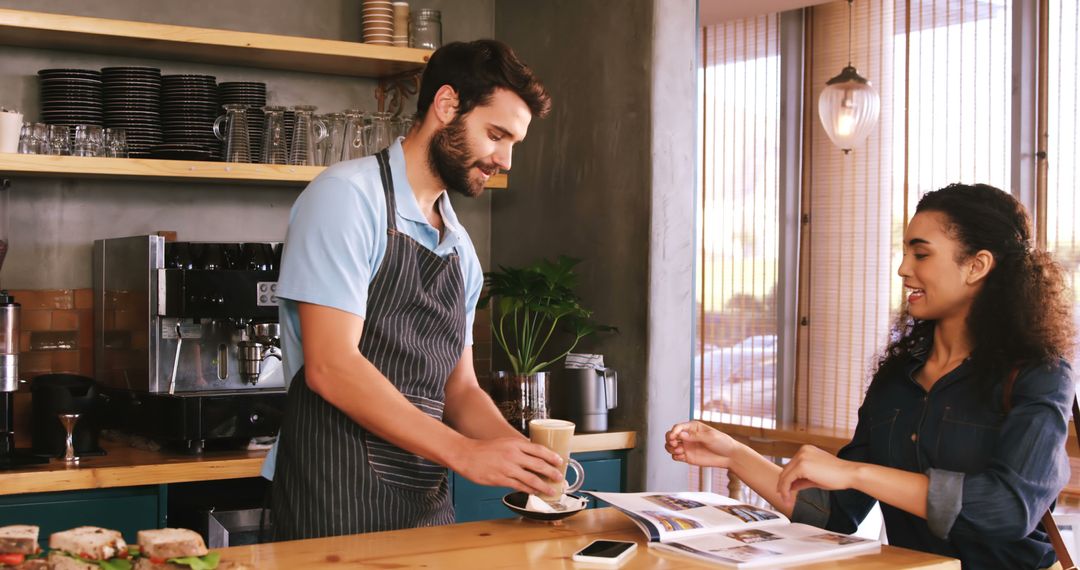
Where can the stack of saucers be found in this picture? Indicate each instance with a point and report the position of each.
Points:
(71, 97)
(379, 22)
(133, 103)
(253, 95)
(189, 105)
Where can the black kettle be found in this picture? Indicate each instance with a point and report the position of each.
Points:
(55, 394)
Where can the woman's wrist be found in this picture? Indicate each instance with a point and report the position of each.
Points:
(741, 458)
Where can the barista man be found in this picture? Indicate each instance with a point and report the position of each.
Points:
(379, 283)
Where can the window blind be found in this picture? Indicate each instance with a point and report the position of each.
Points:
(942, 70)
(738, 222)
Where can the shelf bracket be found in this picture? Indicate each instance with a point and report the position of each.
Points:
(392, 91)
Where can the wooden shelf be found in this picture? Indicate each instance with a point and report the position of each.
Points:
(223, 47)
(152, 169)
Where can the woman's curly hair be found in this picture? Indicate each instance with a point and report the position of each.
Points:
(1023, 314)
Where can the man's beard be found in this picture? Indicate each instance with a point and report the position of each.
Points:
(450, 159)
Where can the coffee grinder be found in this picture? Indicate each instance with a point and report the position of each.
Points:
(9, 358)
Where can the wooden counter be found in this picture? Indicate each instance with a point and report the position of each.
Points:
(126, 467)
(514, 543)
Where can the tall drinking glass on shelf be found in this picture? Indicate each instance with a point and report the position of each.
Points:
(380, 132)
(275, 149)
(232, 127)
(355, 144)
(335, 141)
(307, 134)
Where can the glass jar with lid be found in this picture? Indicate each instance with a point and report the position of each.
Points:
(425, 29)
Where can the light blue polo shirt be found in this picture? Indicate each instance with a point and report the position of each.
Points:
(336, 242)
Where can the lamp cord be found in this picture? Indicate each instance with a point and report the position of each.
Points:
(849, 29)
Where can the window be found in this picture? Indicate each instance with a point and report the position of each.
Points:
(943, 72)
(735, 367)
(1062, 230)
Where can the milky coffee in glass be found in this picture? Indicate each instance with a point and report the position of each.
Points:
(556, 435)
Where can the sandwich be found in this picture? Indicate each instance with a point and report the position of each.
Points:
(176, 549)
(88, 548)
(19, 548)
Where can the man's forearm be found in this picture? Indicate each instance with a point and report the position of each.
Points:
(470, 411)
(353, 385)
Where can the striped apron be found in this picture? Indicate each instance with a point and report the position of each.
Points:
(333, 477)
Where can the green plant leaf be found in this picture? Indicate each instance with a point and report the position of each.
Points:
(530, 303)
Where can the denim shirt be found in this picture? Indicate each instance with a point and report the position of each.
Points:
(992, 475)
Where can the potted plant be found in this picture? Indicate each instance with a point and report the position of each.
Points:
(530, 304)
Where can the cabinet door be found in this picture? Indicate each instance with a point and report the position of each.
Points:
(472, 502)
(126, 509)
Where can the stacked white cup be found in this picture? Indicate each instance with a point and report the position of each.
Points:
(10, 124)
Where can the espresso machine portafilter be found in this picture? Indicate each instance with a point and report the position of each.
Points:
(263, 343)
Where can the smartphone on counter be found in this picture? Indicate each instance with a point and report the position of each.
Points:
(611, 552)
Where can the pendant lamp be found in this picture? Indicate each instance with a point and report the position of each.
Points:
(849, 105)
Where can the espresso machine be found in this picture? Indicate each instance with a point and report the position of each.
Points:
(187, 339)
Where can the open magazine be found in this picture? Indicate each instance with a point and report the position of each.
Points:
(718, 529)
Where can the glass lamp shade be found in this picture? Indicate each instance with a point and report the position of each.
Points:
(848, 108)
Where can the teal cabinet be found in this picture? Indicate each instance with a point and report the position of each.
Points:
(604, 471)
(126, 509)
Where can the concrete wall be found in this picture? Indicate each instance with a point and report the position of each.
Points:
(587, 183)
(54, 221)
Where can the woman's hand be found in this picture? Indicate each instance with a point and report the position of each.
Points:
(698, 444)
(812, 467)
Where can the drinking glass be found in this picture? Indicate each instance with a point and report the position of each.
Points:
(336, 125)
(274, 147)
(380, 137)
(88, 140)
(59, 140)
(26, 139)
(115, 143)
(307, 134)
(235, 135)
(355, 144)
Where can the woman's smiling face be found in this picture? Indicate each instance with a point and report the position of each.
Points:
(940, 279)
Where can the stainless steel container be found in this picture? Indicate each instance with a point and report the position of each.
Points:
(585, 395)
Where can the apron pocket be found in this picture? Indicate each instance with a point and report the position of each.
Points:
(404, 469)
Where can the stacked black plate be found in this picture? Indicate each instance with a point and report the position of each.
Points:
(133, 103)
(71, 97)
(189, 105)
(253, 95)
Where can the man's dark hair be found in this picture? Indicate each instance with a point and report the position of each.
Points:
(475, 70)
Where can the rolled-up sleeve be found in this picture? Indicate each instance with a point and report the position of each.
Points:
(1028, 469)
(944, 500)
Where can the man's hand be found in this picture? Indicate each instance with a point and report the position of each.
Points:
(698, 444)
(509, 462)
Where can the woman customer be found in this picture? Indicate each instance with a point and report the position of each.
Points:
(961, 436)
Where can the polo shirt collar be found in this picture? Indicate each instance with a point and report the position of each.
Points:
(407, 206)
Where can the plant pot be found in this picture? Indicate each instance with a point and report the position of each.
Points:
(521, 397)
